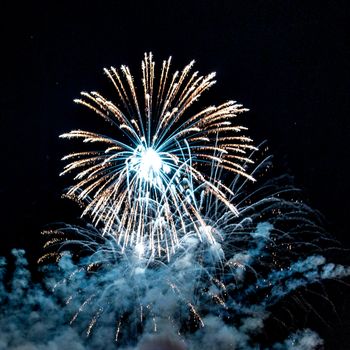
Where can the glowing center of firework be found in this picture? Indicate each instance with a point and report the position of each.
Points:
(150, 164)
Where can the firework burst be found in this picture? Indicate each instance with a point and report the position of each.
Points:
(146, 186)
(174, 257)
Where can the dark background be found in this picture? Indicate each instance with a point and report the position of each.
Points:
(288, 61)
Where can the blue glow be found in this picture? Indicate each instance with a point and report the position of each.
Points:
(150, 164)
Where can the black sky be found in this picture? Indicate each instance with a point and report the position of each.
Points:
(288, 61)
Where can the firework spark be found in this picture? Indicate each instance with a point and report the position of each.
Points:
(144, 186)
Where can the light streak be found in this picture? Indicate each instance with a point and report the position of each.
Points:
(143, 186)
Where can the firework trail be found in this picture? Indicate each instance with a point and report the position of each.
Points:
(174, 258)
(144, 187)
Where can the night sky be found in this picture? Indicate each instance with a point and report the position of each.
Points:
(287, 61)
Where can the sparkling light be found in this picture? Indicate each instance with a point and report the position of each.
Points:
(148, 164)
(146, 187)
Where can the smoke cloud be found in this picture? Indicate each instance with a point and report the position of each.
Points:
(176, 306)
